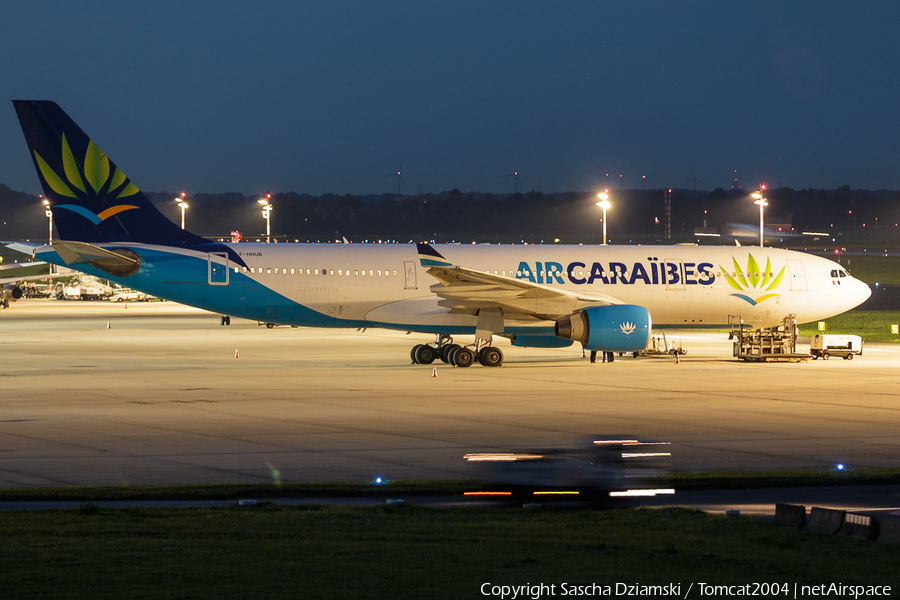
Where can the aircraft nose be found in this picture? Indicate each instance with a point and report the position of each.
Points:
(863, 292)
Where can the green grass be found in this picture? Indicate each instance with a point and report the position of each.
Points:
(872, 325)
(426, 487)
(406, 552)
(882, 269)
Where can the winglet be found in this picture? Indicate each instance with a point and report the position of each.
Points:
(429, 257)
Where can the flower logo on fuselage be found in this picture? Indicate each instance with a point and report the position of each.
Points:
(755, 282)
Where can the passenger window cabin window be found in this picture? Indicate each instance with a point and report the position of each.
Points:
(317, 271)
(331, 272)
(276, 270)
(379, 272)
(355, 272)
(237, 269)
(394, 272)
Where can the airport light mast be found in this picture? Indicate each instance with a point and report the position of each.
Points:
(183, 205)
(761, 201)
(267, 214)
(604, 204)
(49, 214)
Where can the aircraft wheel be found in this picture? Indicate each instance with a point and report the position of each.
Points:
(425, 354)
(413, 352)
(848, 357)
(446, 350)
(270, 325)
(635, 354)
(490, 357)
(825, 356)
(451, 354)
(463, 357)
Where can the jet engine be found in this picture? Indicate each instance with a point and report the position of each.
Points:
(10, 293)
(613, 328)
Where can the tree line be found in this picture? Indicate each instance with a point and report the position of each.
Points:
(532, 216)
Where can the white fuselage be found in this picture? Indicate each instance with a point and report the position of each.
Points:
(681, 286)
(384, 285)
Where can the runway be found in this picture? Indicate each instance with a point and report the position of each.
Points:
(159, 397)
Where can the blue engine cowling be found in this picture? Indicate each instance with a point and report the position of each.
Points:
(614, 328)
(540, 341)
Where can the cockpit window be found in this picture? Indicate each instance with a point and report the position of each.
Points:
(842, 274)
(834, 273)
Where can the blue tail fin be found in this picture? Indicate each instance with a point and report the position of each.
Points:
(92, 200)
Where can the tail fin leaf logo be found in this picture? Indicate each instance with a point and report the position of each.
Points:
(96, 173)
(755, 283)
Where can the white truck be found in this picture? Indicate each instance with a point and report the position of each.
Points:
(127, 295)
(827, 345)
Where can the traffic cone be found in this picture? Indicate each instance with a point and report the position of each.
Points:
(677, 360)
(237, 354)
(582, 352)
(434, 371)
(126, 305)
(107, 325)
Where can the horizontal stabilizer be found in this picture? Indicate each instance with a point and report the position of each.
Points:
(119, 262)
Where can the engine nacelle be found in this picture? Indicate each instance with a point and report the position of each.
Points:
(613, 328)
(9, 293)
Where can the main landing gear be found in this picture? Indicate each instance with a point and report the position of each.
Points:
(454, 354)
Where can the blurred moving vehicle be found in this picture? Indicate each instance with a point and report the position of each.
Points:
(594, 469)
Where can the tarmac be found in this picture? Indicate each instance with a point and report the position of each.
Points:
(97, 393)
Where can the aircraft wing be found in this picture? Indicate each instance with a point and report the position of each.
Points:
(22, 265)
(467, 290)
(23, 247)
(19, 266)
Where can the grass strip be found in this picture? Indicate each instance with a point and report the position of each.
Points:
(425, 487)
(872, 325)
(273, 551)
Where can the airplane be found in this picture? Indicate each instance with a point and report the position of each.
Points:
(607, 298)
(10, 291)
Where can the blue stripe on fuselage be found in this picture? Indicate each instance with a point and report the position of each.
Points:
(183, 278)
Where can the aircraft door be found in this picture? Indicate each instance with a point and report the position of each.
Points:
(218, 268)
(798, 275)
(673, 273)
(409, 270)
